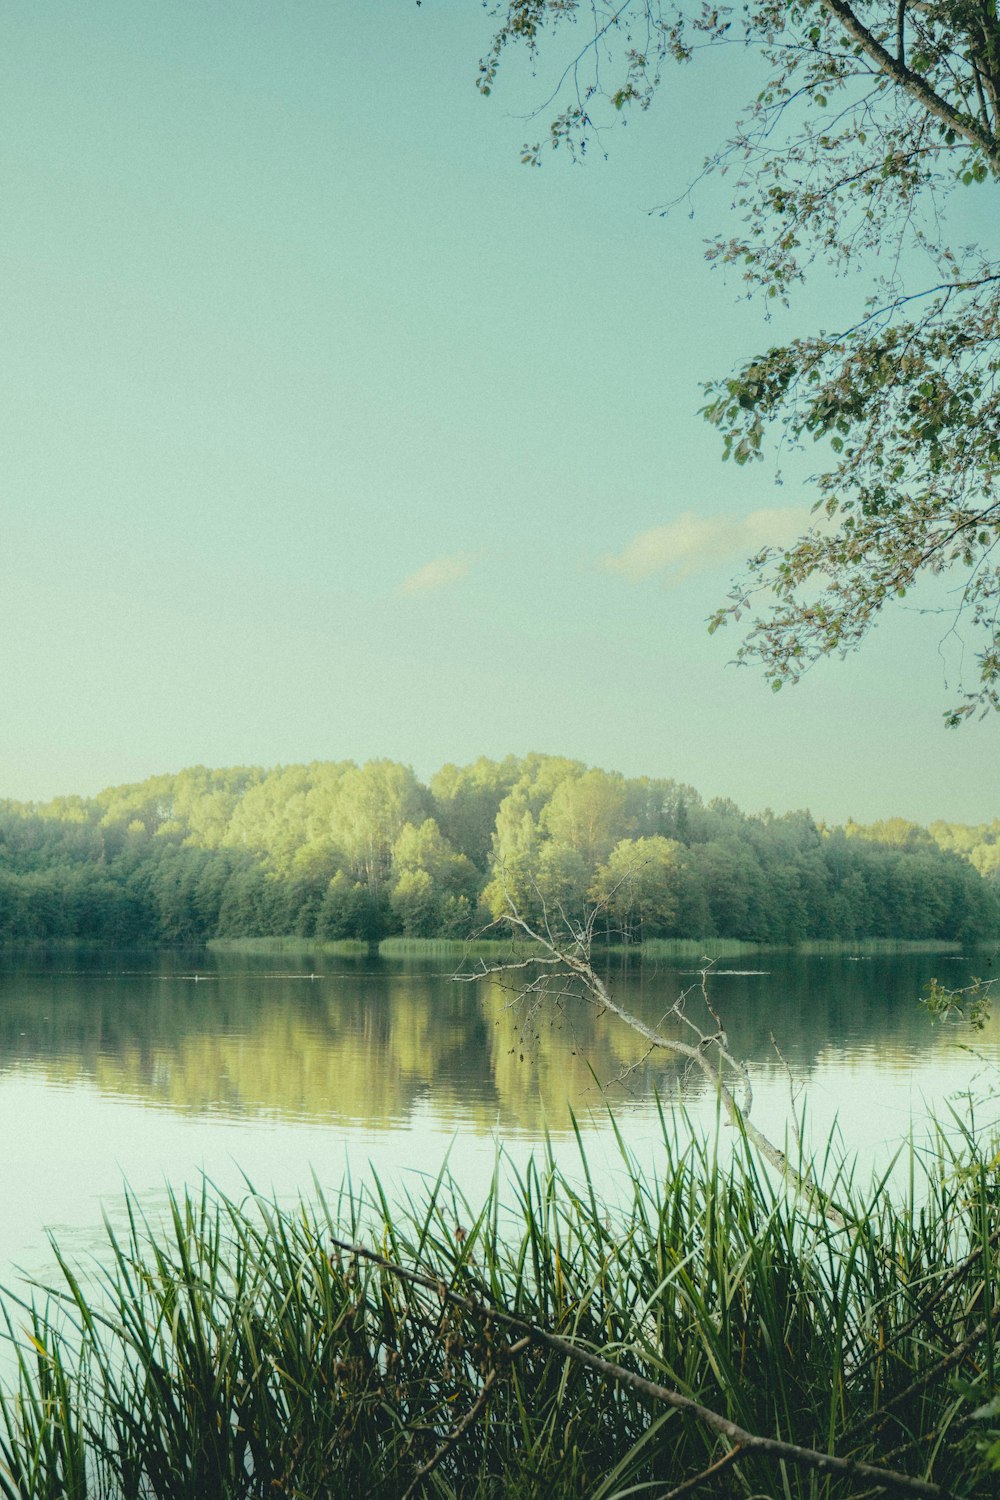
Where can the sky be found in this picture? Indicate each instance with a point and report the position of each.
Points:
(330, 431)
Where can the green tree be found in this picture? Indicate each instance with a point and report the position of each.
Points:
(515, 859)
(466, 801)
(540, 775)
(427, 873)
(424, 847)
(587, 814)
(373, 803)
(730, 879)
(864, 121)
(641, 884)
(349, 910)
(416, 905)
(562, 876)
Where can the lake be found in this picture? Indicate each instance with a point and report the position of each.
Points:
(153, 1068)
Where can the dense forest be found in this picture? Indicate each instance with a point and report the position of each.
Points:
(334, 850)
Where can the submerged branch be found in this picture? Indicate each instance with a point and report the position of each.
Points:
(710, 1055)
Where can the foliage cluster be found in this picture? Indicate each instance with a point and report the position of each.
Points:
(709, 1330)
(866, 131)
(334, 850)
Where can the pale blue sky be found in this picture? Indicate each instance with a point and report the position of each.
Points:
(321, 417)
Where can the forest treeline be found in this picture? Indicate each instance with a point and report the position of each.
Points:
(334, 850)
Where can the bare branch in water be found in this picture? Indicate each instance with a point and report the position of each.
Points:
(564, 956)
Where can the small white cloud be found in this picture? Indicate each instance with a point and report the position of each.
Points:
(437, 574)
(693, 543)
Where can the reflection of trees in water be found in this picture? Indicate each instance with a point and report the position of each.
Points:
(555, 1060)
(372, 1044)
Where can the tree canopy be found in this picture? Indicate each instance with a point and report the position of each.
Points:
(867, 120)
(333, 850)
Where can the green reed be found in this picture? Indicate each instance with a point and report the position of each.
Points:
(290, 946)
(237, 1350)
(656, 948)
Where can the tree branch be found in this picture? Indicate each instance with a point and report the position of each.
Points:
(771, 1448)
(914, 84)
(710, 1056)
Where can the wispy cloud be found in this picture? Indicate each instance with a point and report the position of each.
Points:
(692, 543)
(437, 573)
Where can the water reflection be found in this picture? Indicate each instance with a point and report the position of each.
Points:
(375, 1042)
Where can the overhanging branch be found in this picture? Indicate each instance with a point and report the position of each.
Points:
(919, 89)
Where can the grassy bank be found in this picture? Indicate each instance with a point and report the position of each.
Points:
(347, 947)
(709, 1334)
(457, 948)
(657, 948)
(454, 949)
(692, 948)
(871, 947)
(451, 948)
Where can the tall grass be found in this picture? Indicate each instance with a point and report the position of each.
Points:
(694, 948)
(656, 948)
(349, 947)
(453, 948)
(241, 1350)
(691, 948)
(872, 947)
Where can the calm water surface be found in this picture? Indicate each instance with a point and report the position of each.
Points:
(156, 1068)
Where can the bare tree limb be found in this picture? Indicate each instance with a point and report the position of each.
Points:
(770, 1448)
(710, 1057)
